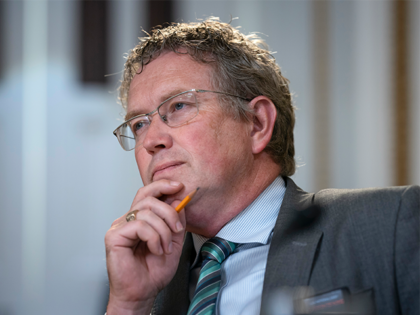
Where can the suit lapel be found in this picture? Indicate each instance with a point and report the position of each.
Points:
(174, 298)
(291, 254)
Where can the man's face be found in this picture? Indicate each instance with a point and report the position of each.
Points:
(212, 151)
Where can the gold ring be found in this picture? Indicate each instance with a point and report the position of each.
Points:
(131, 216)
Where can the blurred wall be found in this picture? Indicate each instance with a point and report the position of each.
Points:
(64, 178)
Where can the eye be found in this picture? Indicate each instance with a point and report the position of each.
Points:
(179, 106)
(140, 125)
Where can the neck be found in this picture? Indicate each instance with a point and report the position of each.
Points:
(244, 191)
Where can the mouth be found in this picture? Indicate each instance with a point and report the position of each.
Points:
(166, 167)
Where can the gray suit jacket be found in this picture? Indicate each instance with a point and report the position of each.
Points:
(365, 240)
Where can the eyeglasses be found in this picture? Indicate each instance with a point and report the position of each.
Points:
(175, 111)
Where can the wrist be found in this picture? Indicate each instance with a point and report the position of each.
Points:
(116, 307)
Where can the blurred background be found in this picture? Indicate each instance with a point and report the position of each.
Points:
(353, 66)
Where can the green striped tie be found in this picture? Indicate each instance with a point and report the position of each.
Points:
(213, 252)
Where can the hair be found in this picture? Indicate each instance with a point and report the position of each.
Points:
(242, 65)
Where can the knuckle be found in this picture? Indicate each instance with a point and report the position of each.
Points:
(108, 237)
(140, 223)
(139, 194)
(115, 222)
(149, 199)
(144, 213)
(167, 235)
(144, 226)
(171, 216)
(140, 190)
(155, 238)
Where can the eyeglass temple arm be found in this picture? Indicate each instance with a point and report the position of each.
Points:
(115, 134)
(223, 93)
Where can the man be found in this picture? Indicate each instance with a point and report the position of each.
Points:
(208, 107)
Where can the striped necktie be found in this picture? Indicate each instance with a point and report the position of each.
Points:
(213, 252)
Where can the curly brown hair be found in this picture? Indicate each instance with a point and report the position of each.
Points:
(242, 66)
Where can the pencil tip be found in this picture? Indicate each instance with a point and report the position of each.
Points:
(197, 188)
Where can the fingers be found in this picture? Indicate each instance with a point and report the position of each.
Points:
(162, 233)
(157, 189)
(156, 223)
(154, 190)
(148, 228)
(143, 231)
(162, 210)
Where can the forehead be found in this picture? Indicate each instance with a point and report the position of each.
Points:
(167, 75)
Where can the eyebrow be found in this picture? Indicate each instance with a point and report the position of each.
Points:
(132, 114)
(163, 98)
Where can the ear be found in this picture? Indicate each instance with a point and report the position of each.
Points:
(263, 120)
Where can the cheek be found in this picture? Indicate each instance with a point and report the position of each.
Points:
(218, 150)
(203, 148)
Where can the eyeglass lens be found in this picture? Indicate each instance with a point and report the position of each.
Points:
(174, 112)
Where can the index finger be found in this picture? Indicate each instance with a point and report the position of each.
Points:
(158, 189)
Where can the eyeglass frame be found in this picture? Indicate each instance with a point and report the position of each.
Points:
(150, 114)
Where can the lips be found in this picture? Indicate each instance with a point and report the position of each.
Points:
(165, 167)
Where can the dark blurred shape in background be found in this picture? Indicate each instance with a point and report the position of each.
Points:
(1, 39)
(94, 43)
(161, 13)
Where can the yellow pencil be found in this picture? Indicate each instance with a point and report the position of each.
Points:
(186, 200)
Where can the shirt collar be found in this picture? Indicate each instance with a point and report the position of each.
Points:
(256, 222)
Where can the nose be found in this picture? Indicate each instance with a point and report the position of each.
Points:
(158, 135)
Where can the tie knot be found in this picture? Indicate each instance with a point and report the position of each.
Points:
(217, 249)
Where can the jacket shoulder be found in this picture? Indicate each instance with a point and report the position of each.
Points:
(379, 199)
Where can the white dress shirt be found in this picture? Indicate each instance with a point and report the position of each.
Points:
(243, 271)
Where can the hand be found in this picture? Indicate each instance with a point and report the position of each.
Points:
(143, 255)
